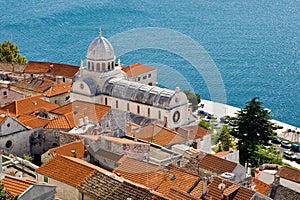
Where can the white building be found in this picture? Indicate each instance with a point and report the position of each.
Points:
(103, 81)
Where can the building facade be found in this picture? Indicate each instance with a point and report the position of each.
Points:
(103, 81)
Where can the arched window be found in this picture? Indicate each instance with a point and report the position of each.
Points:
(92, 66)
(112, 65)
(103, 66)
(98, 66)
(108, 66)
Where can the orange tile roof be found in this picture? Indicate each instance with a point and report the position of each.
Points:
(289, 174)
(139, 172)
(71, 171)
(222, 153)
(193, 132)
(72, 112)
(137, 69)
(33, 121)
(260, 186)
(62, 122)
(231, 191)
(2, 119)
(157, 134)
(66, 150)
(121, 140)
(38, 85)
(51, 68)
(215, 164)
(158, 178)
(58, 88)
(27, 106)
(177, 178)
(175, 194)
(16, 186)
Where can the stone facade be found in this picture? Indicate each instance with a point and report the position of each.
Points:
(14, 137)
(7, 96)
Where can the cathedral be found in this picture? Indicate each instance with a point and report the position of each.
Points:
(103, 81)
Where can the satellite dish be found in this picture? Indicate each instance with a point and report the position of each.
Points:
(221, 186)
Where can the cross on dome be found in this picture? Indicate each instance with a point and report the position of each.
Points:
(100, 32)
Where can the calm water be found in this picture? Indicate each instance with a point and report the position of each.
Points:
(255, 45)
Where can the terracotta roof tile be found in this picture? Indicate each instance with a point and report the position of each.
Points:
(140, 172)
(33, 121)
(58, 88)
(38, 85)
(80, 109)
(27, 106)
(159, 135)
(260, 186)
(121, 140)
(289, 174)
(193, 132)
(177, 178)
(215, 164)
(61, 122)
(137, 69)
(2, 119)
(175, 194)
(71, 171)
(16, 186)
(106, 186)
(66, 150)
(231, 191)
(158, 178)
(51, 68)
(221, 153)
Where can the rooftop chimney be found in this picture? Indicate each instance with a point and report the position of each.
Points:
(86, 120)
(59, 79)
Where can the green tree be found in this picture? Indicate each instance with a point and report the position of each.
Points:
(204, 124)
(266, 155)
(193, 98)
(10, 53)
(3, 193)
(225, 138)
(253, 128)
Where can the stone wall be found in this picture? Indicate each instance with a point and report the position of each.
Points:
(65, 137)
(12, 67)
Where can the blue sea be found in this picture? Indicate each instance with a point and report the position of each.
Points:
(253, 44)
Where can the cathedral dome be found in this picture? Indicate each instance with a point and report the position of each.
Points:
(100, 49)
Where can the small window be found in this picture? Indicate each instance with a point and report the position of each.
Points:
(8, 125)
(5, 93)
(112, 65)
(89, 65)
(149, 75)
(108, 66)
(139, 78)
(103, 66)
(46, 179)
(148, 112)
(105, 100)
(128, 107)
(64, 79)
(138, 109)
(8, 144)
(117, 104)
(159, 114)
(92, 66)
(98, 66)
(144, 77)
